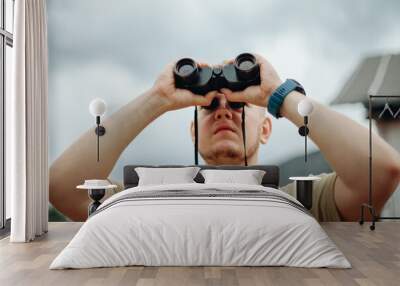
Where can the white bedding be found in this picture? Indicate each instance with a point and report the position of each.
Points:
(182, 231)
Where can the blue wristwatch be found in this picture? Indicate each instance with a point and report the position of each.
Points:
(278, 96)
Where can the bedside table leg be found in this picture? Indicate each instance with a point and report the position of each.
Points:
(96, 195)
(304, 190)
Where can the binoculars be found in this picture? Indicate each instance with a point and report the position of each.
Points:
(243, 72)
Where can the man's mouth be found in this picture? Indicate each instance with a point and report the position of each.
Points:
(224, 128)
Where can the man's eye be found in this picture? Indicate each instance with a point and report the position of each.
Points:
(237, 105)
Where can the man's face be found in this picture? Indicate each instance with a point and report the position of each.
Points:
(220, 133)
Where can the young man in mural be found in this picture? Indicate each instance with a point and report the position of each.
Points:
(343, 142)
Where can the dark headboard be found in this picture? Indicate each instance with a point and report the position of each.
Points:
(270, 179)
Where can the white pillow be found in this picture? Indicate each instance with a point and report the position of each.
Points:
(163, 176)
(249, 177)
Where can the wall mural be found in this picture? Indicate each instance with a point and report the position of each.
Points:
(115, 98)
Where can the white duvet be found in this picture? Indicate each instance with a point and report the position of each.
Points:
(183, 231)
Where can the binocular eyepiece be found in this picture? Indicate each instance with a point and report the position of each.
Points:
(243, 72)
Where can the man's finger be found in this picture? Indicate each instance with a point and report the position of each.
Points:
(237, 96)
(205, 100)
(170, 66)
(259, 58)
(217, 66)
(202, 64)
(226, 91)
(226, 62)
(211, 94)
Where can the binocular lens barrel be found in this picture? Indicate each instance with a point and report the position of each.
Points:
(246, 65)
(186, 69)
(245, 62)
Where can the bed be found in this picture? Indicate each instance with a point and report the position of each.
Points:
(201, 224)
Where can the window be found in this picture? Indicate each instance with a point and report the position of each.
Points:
(6, 43)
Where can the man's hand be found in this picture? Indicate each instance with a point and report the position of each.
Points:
(173, 98)
(257, 95)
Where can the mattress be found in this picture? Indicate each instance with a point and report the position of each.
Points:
(201, 225)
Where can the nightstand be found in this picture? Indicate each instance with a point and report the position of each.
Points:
(96, 192)
(304, 187)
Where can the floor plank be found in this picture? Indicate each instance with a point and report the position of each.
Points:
(374, 255)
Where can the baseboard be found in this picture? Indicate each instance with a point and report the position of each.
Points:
(5, 231)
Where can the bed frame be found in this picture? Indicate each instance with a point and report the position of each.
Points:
(270, 179)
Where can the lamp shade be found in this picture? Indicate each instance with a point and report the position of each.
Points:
(97, 107)
(305, 107)
(376, 75)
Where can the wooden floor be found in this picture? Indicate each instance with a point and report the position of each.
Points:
(374, 255)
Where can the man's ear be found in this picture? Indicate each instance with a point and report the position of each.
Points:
(266, 129)
(192, 130)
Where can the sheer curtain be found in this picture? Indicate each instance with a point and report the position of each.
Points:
(27, 123)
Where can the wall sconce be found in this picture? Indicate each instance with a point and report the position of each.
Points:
(304, 185)
(97, 108)
(304, 108)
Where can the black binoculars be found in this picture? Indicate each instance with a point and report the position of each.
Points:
(243, 72)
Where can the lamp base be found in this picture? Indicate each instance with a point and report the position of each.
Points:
(100, 130)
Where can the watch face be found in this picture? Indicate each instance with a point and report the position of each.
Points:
(299, 87)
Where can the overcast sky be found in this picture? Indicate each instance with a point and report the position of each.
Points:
(116, 49)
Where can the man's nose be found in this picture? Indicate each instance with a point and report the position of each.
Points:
(223, 110)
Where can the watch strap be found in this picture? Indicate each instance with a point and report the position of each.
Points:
(278, 96)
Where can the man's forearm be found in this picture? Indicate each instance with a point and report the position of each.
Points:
(344, 143)
(79, 161)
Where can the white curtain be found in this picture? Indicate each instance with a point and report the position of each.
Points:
(27, 121)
